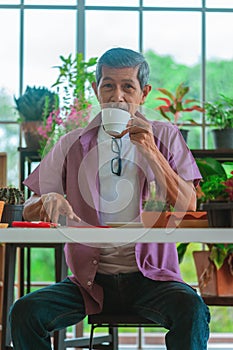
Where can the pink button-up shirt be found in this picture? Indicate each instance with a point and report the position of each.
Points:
(71, 168)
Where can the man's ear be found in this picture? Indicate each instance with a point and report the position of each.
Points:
(145, 92)
(94, 87)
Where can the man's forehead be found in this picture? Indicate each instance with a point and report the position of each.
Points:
(123, 73)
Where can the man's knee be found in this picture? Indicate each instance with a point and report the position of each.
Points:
(20, 311)
(194, 305)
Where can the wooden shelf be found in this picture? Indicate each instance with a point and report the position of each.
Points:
(221, 154)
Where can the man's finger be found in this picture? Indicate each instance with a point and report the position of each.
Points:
(74, 217)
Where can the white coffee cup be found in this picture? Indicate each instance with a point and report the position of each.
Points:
(114, 120)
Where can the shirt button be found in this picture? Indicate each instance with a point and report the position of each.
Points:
(95, 262)
(89, 283)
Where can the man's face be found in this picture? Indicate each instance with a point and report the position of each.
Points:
(119, 87)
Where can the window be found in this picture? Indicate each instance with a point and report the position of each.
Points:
(183, 41)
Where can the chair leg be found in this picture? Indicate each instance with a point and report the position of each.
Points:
(91, 336)
(115, 341)
(59, 339)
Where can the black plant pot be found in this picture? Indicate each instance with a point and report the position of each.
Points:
(12, 212)
(223, 138)
(220, 214)
(184, 133)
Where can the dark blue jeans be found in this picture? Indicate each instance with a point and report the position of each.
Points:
(174, 305)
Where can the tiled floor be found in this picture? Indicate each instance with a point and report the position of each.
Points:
(160, 347)
(210, 347)
(221, 341)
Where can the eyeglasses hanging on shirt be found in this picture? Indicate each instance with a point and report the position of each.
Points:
(116, 163)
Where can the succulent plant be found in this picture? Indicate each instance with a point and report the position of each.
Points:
(11, 195)
(36, 103)
(154, 205)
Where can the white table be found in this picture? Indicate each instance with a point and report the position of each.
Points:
(58, 236)
(117, 235)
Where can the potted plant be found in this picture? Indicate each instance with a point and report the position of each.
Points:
(214, 266)
(13, 200)
(33, 106)
(175, 106)
(220, 114)
(216, 197)
(154, 213)
(215, 190)
(74, 84)
(155, 210)
(158, 213)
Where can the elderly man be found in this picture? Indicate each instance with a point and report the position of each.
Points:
(77, 179)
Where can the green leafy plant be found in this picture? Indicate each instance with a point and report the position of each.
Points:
(75, 78)
(35, 104)
(219, 252)
(74, 85)
(214, 186)
(220, 112)
(175, 104)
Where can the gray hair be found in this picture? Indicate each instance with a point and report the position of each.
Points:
(122, 58)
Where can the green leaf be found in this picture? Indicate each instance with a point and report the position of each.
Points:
(210, 166)
(218, 255)
(181, 250)
(181, 91)
(167, 93)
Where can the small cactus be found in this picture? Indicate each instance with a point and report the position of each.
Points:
(154, 205)
(11, 195)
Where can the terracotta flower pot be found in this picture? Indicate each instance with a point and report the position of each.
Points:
(1, 209)
(154, 218)
(210, 280)
(174, 219)
(31, 136)
(188, 219)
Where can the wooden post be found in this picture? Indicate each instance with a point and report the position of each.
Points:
(3, 167)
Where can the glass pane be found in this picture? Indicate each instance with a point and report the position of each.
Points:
(172, 3)
(209, 139)
(177, 34)
(219, 4)
(7, 109)
(170, 64)
(50, 2)
(9, 2)
(194, 137)
(45, 43)
(219, 54)
(9, 57)
(9, 141)
(108, 32)
(112, 3)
